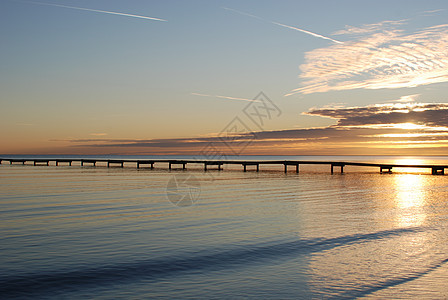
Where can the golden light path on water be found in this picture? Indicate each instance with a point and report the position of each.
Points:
(415, 207)
(410, 193)
(410, 199)
(389, 267)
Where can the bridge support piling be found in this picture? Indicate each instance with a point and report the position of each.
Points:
(437, 171)
(388, 168)
(337, 165)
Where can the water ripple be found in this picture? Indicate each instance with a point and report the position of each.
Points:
(204, 261)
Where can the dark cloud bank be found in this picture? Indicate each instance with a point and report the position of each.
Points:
(356, 130)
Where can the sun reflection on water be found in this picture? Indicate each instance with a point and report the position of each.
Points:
(410, 199)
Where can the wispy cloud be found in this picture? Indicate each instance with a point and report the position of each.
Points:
(370, 28)
(408, 98)
(286, 26)
(431, 12)
(378, 59)
(225, 97)
(95, 10)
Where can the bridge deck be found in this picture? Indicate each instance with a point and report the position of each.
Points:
(436, 169)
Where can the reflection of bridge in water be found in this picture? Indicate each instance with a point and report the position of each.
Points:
(384, 168)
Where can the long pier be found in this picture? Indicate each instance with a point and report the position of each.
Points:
(383, 168)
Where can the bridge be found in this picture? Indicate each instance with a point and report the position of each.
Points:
(218, 164)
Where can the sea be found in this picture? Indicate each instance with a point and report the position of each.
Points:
(92, 232)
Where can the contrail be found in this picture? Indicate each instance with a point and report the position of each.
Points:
(308, 32)
(243, 13)
(95, 10)
(225, 97)
(283, 25)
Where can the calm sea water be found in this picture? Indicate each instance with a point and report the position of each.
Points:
(95, 232)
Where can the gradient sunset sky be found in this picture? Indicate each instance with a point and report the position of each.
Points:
(176, 77)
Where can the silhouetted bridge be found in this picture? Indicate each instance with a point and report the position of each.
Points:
(384, 168)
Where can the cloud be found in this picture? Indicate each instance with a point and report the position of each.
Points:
(370, 28)
(421, 115)
(408, 98)
(392, 128)
(431, 12)
(96, 10)
(381, 57)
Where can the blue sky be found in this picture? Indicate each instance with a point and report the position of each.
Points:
(71, 75)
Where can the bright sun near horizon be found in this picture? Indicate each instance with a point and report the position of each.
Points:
(175, 77)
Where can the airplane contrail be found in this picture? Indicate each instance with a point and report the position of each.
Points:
(286, 26)
(243, 13)
(225, 97)
(95, 10)
(307, 32)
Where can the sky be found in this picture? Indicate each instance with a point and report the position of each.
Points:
(224, 77)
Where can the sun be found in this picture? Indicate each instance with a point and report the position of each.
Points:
(407, 126)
